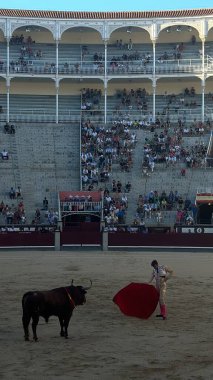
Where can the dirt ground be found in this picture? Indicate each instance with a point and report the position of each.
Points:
(104, 344)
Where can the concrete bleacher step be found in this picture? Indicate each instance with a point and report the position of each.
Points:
(44, 160)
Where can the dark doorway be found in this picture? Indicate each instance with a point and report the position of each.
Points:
(82, 221)
(205, 212)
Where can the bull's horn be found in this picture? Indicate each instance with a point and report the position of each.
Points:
(89, 286)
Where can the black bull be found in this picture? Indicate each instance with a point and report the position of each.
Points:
(59, 302)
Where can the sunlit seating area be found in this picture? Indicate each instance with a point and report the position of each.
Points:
(83, 98)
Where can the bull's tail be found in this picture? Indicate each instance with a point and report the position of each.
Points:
(26, 317)
(30, 310)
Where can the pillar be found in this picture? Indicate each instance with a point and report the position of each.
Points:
(153, 46)
(105, 58)
(57, 240)
(203, 101)
(104, 240)
(8, 56)
(203, 55)
(105, 81)
(154, 94)
(56, 103)
(8, 100)
(105, 103)
(56, 44)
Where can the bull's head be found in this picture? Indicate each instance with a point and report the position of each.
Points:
(80, 292)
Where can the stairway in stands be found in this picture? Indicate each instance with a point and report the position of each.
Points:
(47, 161)
(9, 169)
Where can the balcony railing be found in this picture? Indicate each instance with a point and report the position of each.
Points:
(81, 207)
(88, 68)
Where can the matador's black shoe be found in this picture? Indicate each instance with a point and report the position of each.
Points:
(161, 316)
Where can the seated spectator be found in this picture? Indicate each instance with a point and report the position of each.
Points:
(18, 192)
(119, 186)
(130, 45)
(12, 193)
(128, 187)
(124, 200)
(95, 179)
(37, 216)
(186, 130)
(12, 129)
(1, 206)
(23, 219)
(45, 203)
(121, 215)
(159, 216)
(145, 171)
(164, 204)
(4, 155)
(121, 44)
(50, 216)
(193, 39)
(183, 172)
(180, 202)
(9, 216)
(192, 91)
(187, 204)
(21, 207)
(147, 210)
(179, 216)
(189, 220)
(6, 128)
(114, 186)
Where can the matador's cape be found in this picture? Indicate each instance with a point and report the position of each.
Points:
(137, 300)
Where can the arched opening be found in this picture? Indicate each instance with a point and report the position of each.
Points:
(130, 51)
(209, 44)
(31, 35)
(81, 221)
(179, 99)
(32, 99)
(78, 49)
(174, 34)
(130, 38)
(32, 50)
(3, 49)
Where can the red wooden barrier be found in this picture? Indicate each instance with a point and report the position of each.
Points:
(125, 239)
(31, 238)
(81, 237)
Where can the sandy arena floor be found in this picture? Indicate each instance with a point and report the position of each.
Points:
(104, 344)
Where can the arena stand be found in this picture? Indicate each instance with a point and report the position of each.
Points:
(138, 78)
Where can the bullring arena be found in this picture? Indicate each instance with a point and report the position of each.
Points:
(103, 343)
(106, 162)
